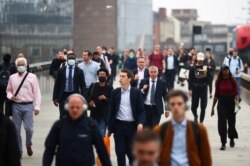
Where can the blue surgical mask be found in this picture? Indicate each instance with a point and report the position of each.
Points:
(21, 69)
(131, 56)
(71, 62)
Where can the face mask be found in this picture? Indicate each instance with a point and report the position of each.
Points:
(65, 53)
(21, 69)
(71, 62)
(131, 56)
(102, 79)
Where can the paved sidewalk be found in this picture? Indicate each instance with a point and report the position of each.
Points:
(240, 155)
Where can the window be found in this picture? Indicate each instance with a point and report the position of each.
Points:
(35, 51)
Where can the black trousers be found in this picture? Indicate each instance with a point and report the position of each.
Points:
(170, 77)
(152, 116)
(123, 136)
(226, 115)
(199, 94)
(210, 84)
(62, 104)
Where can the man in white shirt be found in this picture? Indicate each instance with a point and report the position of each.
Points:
(140, 73)
(126, 117)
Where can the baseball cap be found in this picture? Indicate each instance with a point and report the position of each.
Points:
(200, 56)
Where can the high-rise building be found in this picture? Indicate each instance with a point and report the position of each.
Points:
(94, 24)
(134, 24)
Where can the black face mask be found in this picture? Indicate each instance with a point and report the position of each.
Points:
(102, 79)
(65, 53)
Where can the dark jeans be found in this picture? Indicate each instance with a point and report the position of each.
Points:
(62, 104)
(210, 84)
(170, 77)
(226, 115)
(199, 94)
(152, 116)
(123, 136)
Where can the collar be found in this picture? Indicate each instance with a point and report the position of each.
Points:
(140, 69)
(73, 67)
(135, 163)
(150, 80)
(88, 63)
(128, 90)
(183, 123)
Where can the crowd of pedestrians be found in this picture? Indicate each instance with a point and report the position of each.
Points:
(131, 112)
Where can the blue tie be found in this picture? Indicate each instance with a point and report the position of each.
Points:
(152, 97)
(70, 80)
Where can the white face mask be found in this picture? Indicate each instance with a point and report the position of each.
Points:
(71, 62)
(21, 69)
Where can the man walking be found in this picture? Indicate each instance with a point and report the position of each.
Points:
(140, 73)
(90, 69)
(154, 91)
(184, 142)
(26, 102)
(70, 79)
(72, 138)
(171, 68)
(126, 117)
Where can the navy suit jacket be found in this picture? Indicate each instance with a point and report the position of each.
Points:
(135, 71)
(59, 86)
(176, 62)
(160, 93)
(136, 101)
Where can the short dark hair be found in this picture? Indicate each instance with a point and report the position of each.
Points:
(95, 53)
(7, 58)
(89, 53)
(103, 70)
(129, 73)
(176, 93)
(145, 136)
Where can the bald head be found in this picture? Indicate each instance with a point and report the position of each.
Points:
(76, 105)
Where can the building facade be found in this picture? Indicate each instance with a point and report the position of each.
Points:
(134, 24)
(94, 24)
(36, 28)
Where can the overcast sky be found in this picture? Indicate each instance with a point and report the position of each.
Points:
(216, 11)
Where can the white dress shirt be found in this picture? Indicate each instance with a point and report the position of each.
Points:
(170, 62)
(147, 101)
(140, 75)
(125, 112)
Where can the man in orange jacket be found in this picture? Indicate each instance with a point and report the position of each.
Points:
(183, 142)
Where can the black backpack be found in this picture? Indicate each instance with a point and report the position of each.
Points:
(196, 132)
(239, 62)
(5, 75)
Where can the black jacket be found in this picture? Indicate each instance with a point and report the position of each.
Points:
(59, 86)
(136, 101)
(72, 142)
(197, 79)
(55, 66)
(102, 106)
(135, 71)
(160, 93)
(176, 62)
(9, 151)
(212, 66)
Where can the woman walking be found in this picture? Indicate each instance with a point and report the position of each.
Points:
(210, 63)
(226, 93)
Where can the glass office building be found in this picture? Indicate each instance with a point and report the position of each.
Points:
(134, 24)
(36, 28)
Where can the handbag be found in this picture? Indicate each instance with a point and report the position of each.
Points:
(184, 73)
(9, 102)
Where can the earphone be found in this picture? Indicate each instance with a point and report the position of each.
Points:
(66, 105)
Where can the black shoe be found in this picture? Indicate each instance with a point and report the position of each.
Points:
(223, 147)
(232, 143)
(29, 151)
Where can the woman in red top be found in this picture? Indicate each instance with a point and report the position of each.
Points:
(226, 93)
(157, 59)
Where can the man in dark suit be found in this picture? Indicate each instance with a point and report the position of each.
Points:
(126, 116)
(70, 79)
(154, 91)
(140, 73)
(172, 65)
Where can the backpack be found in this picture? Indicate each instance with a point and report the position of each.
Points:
(196, 131)
(239, 62)
(5, 75)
